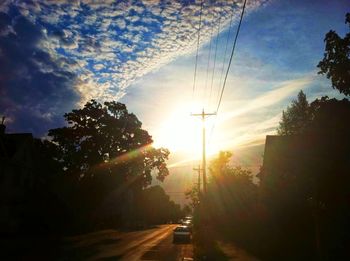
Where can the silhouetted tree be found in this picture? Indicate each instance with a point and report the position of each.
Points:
(231, 199)
(192, 194)
(231, 186)
(106, 159)
(295, 117)
(311, 176)
(187, 209)
(220, 165)
(106, 139)
(155, 207)
(336, 61)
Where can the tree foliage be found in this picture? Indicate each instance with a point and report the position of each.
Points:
(155, 206)
(336, 61)
(192, 194)
(106, 160)
(221, 165)
(308, 181)
(232, 186)
(107, 140)
(296, 117)
(229, 207)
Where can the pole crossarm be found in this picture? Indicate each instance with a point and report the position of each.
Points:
(203, 114)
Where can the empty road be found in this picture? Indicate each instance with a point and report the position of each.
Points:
(150, 244)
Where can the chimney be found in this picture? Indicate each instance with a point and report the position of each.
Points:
(2, 127)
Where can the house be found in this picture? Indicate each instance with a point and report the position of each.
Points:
(17, 168)
(305, 166)
(286, 155)
(293, 154)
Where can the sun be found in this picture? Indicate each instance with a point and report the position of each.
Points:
(182, 133)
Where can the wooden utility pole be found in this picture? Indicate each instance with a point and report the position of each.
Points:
(199, 178)
(203, 116)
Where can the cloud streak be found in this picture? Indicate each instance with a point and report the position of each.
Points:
(255, 119)
(270, 98)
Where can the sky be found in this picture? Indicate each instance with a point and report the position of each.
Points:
(57, 55)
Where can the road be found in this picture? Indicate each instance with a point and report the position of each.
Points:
(150, 244)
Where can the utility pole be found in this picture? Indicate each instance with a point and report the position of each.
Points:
(199, 178)
(203, 116)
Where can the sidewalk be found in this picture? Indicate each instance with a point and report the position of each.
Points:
(232, 252)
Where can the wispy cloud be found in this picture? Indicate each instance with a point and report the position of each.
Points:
(248, 123)
(270, 98)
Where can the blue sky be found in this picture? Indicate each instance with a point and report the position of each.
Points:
(279, 47)
(56, 55)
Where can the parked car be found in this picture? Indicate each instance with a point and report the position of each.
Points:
(189, 218)
(187, 223)
(182, 233)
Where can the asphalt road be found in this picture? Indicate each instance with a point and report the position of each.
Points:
(151, 244)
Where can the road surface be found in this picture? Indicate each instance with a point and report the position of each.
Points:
(150, 244)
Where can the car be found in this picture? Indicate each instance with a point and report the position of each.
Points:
(188, 218)
(182, 233)
(187, 223)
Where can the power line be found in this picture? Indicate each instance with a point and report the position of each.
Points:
(232, 52)
(195, 67)
(209, 56)
(216, 49)
(226, 47)
(223, 66)
(228, 68)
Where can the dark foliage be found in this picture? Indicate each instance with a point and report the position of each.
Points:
(336, 61)
(95, 173)
(305, 188)
(106, 160)
(166, 210)
(295, 117)
(106, 139)
(229, 210)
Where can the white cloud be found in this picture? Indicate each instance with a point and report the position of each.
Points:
(121, 23)
(98, 67)
(270, 98)
(133, 39)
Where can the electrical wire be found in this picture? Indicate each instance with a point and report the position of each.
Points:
(215, 54)
(225, 53)
(232, 52)
(209, 56)
(198, 40)
(196, 63)
(223, 67)
(228, 67)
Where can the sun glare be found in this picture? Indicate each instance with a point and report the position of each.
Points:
(182, 133)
